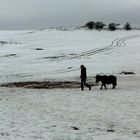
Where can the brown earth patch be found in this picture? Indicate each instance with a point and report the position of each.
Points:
(44, 84)
(127, 72)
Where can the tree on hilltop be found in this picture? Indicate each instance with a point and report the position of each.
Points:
(113, 26)
(127, 26)
(90, 25)
(99, 25)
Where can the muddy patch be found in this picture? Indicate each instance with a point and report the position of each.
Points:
(9, 55)
(127, 73)
(44, 84)
(53, 57)
(6, 42)
(39, 49)
(59, 57)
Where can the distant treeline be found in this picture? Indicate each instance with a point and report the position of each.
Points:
(111, 26)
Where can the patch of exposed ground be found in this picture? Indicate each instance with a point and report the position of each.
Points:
(127, 72)
(53, 57)
(6, 42)
(9, 55)
(39, 49)
(59, 56)
(45, 84)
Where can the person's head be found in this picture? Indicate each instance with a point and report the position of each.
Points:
(82, 66)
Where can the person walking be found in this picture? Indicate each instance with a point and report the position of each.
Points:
(83, 77)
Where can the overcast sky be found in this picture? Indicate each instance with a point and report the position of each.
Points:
(34, 14)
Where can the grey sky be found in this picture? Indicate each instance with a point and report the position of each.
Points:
(33, 14)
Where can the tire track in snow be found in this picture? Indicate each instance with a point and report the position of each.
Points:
(119, 42)
(115, 43)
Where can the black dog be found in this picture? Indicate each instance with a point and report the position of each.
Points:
(111, 79)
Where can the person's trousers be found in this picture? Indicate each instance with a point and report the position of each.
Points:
(83, 82)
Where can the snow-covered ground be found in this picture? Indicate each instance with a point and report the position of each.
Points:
(69, 114)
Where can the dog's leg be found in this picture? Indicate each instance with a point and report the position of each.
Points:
(113, 86)
(105, 86)
(101, 86)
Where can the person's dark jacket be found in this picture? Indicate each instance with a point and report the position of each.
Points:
(83, 73)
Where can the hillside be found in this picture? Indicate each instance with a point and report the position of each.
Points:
(29, 58)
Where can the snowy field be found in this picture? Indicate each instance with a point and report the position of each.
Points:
(69, 113)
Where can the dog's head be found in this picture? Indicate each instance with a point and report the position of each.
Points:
(97, 77)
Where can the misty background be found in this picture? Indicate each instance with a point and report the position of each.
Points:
(36, 14)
